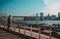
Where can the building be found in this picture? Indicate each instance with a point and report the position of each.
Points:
(48, 16)
(53, 17)
(41, 16)
(18, 17)
(37, 17)
(58, 14)
(30, 18)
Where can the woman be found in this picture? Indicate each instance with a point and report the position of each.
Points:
(9, 21)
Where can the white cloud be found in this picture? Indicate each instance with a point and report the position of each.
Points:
(45, 1)
(52, 6)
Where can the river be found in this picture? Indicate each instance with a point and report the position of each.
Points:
(44, 21)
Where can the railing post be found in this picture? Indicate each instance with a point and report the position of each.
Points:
(50, 33)
(0, 26)
(24, 30)
(4, 27)
(11, 28)
(19, 29)
(14, 28)
(31, 31)
(39, 32)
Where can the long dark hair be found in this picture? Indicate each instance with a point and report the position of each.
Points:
(9, 18)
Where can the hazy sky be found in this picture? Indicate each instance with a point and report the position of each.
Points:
(29, 7)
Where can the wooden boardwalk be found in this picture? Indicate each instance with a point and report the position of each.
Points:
(29, 33)
(6, 35)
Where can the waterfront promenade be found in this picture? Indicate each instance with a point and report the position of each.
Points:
(29, 33)
(10, 34)
(6, 35)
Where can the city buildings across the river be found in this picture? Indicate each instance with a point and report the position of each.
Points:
(40, 17)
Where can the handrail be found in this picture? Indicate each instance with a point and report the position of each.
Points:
(50, 27)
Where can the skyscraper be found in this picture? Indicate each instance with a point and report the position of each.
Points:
(48, 16)
(41, 16)
(58, 14)
(36, 16)
(36, 22)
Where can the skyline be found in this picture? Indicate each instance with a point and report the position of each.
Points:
(29, 7)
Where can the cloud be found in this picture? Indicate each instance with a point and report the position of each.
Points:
(52, 6)
(46, 2)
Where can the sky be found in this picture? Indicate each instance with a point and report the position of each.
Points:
(29, 7)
